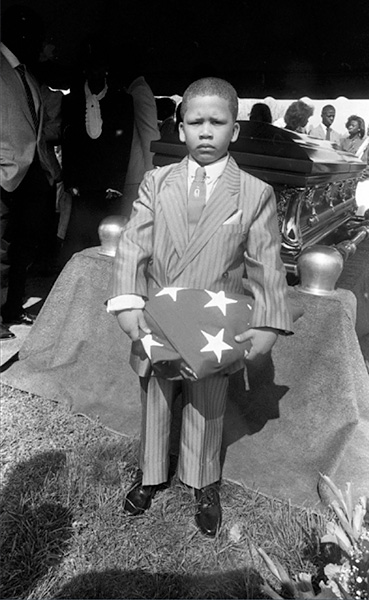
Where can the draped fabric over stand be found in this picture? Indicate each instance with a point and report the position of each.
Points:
(307, 412)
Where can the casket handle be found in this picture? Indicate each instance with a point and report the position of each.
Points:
(328, 197)
(309, 201)
(348, 247)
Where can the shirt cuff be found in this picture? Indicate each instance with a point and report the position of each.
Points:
(124, 302)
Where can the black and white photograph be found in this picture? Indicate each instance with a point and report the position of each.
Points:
(184, 326)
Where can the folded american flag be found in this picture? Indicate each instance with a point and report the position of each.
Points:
(192, 331)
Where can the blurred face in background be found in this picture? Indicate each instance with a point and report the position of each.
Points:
(353, 128)
(328, 117)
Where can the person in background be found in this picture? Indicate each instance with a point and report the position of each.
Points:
(166, 108)
(46, 259)
(297, 116)
(356, 131)
(53, 78)
(145, 130)
(97, 123)
(362, 189)
(170, 241)
(260, 112)
(171, 125)
(324, 130)
(26, 175)
(363, 151)
(179, 118)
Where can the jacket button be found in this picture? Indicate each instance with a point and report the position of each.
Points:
(225, 275)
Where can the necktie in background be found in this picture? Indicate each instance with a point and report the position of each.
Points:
(196, 199)
(31, 105)
(328, 134)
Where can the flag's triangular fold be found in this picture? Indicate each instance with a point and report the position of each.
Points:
(192, 331)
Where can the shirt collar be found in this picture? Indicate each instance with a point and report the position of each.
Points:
(213, 171)
(98, 96)
(10, 57)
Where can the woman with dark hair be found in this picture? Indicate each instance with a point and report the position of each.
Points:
(356, 130)
(260, 112)
(297, 115)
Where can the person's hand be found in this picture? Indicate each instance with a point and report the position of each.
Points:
(262, 340)
(132, 321)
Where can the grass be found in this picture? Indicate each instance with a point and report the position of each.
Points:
(64, 533)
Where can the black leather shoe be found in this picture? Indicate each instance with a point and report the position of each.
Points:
(209, 512)
(5, 333)
(23, 318)
(138, 498)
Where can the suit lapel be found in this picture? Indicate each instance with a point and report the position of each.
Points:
(40, 105)
(173, 200)
(221, 204)
(19, 91)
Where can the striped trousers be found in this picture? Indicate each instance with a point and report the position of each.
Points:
(204, 404)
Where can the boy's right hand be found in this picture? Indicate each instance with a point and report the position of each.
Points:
(131, 321)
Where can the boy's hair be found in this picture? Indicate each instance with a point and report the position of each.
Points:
(211, 86)
(328, 107)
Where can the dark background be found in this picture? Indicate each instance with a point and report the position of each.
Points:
(279, 48)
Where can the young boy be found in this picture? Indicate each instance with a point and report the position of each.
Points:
(163, 246)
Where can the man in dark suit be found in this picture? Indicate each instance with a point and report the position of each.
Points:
(96, 142)
(25, 175)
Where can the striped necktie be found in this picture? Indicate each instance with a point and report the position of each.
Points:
(196, 199)
(31, 105)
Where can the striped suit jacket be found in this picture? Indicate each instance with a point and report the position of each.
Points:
(154, 249)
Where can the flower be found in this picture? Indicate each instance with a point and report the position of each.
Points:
(351, 576)
(348, 579)
(299, 587)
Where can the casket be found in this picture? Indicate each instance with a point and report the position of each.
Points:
(313, 180)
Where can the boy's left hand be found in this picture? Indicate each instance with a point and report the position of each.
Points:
(262, 339)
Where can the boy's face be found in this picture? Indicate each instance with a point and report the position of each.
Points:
(208, 128)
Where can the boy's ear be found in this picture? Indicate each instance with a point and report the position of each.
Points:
(236, 132)
(181, 132)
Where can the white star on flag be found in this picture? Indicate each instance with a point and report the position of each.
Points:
(148, 342)
(170, 291)
(215, 344)
(219, 299)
